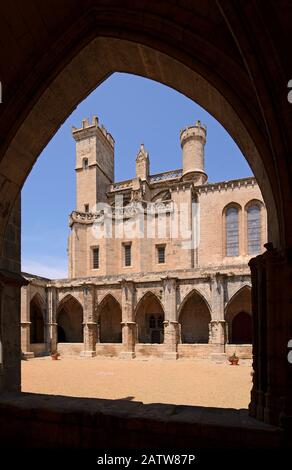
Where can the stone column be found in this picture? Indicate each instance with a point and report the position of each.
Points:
(171, 325)
(10, 342)
(128, 320)
(52, 326)
(271, 395)
(25, 322)
(89, 321)
(217, 326)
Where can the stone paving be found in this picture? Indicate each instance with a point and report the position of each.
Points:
(182, 382)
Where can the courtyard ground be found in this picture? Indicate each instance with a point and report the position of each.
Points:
(201, 383)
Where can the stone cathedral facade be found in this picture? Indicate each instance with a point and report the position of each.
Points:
(158, 264)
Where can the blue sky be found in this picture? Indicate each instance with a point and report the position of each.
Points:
(134, 110)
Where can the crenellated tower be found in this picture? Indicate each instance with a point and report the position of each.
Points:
(94, 164)
(193, 140)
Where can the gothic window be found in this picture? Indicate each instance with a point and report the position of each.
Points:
(232, 235)
(85, 163)
(86, 207)
(253, 229)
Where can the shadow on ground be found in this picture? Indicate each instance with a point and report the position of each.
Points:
(29, 420)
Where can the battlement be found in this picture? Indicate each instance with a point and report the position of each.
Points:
(88, 129)
(196, 132)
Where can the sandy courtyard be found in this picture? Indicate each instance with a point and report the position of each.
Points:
(182, 382)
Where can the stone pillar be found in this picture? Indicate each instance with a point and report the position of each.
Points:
(171, 325)
(217, 326)
(271, 275)
(89, 321)
(217, 332)
(128, 320)
(25, 322)
(52, 326)
(10, 342)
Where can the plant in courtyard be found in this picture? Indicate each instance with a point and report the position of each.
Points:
(54, 353)
(233, 359)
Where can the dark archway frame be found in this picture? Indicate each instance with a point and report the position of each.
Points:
(190, 50)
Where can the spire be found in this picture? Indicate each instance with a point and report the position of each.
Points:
(142, 163)
(142, 154)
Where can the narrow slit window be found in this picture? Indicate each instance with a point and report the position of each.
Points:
(161, 254)
(127, 255)
(95, 258)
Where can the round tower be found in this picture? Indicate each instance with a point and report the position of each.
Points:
(193, 139)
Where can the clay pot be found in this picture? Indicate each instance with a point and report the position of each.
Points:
(234, 361)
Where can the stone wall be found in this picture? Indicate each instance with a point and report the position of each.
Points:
(116, 315)
(10, 283)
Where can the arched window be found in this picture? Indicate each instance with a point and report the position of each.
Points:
(232, 238)
(253, 229)
(85, 163)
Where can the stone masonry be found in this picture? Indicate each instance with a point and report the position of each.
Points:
(158, 264)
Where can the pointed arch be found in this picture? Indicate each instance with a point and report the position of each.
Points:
(245, 288)
(67, 298)
(188, 295)
(37, 297)
(146, 295)
(107, 296)
(36, 314)
(70, 320)
(149, 315)
(110, 319)
(194, 318)
(238, 316)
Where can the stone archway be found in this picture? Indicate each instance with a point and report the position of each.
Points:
(110, 318)
(190, 49)
(194, 318)
(70, 321)
(37, 325)
(238, 317)
(149, 319)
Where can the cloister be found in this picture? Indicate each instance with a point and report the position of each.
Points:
(211, 317)
(231, 58)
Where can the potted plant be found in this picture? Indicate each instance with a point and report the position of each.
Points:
(55, 355)
(233, 359)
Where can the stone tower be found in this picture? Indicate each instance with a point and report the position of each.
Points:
(142, 164)
(193, 141)
(94, 164)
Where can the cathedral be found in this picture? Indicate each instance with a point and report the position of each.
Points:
(157, 264)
